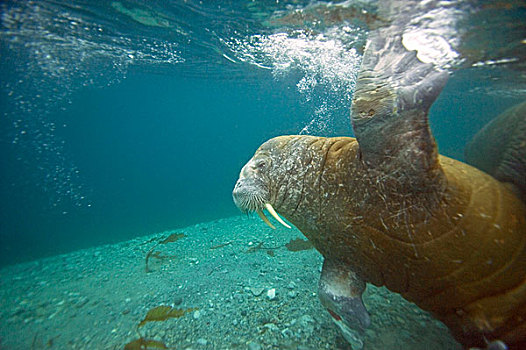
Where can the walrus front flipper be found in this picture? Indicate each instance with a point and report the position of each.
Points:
(340, 292)
(499, 148)
(394, 92)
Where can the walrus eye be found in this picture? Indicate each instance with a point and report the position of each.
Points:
(261, 164)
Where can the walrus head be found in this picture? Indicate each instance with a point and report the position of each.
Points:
(284, 176)
(262, 179)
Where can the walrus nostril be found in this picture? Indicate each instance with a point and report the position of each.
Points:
(238, 184)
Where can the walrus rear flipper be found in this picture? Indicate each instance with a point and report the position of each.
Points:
(499, 148)
(393, 95)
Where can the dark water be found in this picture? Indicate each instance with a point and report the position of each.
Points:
(153, 153)
(121, 119)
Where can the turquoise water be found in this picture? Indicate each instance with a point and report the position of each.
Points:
(121, 118)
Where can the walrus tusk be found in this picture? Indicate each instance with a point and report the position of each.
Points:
(275, 215)
(264, 218)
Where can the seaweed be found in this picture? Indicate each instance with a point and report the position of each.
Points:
(172, 238)
(254, 248)
(156, 254)
(259, 246)
(220, 245)
(295, 245)
(151, 240)
(144, 344)
(164, 312)
(37, 342)
(298, 244)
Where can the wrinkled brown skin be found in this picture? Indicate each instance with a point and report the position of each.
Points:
(457, 250)
(499, 148)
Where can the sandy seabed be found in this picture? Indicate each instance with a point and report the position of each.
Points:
(216, 283)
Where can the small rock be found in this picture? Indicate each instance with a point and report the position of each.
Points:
(291, 323)
(271, 327)
(178, 300)
(307, 324)
(291, 285)
(292, 294)
(254, 346)
(256, 291)
(202, 341)
(238, 297)
(81, 302)
(271, 294)
(287, 333)
(197, 314)
(306, 319)
(264, 320)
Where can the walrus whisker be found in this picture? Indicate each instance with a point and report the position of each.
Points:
(249, 202)
(275, 215)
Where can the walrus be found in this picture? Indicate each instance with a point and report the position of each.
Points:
(385, 208)
(499, 149)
